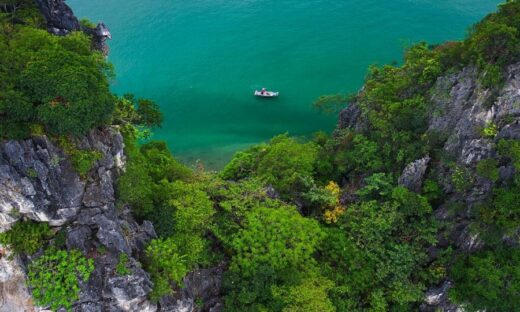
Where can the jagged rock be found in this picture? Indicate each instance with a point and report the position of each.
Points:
(205, 284)
(14, 295)
(465, 239)
(348, 117)
(413, 174)
(100, 193)
(79, 237)
(100, 34)
(510, 132)
(506, 173)
(507, 104)
(169, 304)
(110, 234)
(59, 16)
(271, 192)
(130, 292)
(436, 299)
(38, 182)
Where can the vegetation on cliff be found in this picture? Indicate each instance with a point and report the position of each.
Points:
(322, 225)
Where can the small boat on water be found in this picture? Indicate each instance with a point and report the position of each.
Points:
(265, 93)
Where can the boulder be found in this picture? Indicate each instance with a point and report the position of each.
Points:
(413, 174)
(59, 16)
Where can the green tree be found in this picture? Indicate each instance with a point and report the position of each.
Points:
(487, 280)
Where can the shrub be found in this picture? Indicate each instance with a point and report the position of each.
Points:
(510, 149)
(166, 265)
(55, 277)
(121, 267)
(26, 237)
(286, 163)
(310, 295)
(279, 238)
(135, 188)
(462, 179)
(487, 168)
(490, 130)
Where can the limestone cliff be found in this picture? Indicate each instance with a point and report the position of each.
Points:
(37, 182)
(460, 108)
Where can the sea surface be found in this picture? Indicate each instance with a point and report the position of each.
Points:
(201, 60)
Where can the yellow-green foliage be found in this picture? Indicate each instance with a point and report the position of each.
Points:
(279, 238)
(490, 130)
(54, 277)
(166, 265)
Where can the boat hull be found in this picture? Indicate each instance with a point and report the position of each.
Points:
(267, 94)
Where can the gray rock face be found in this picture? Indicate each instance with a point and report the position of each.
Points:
(202, 285)
(461, 108)
(413, 174)
(59, 16)
(349, 117)
(38, 182)
(437, 299)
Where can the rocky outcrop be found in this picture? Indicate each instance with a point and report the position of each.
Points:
(436, 299)
(59, 16)
(61, 21)
(460, 107)
(38, 182)
(413, 174)
(201, 292)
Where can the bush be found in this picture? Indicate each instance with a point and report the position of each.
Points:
(490, 131)
(488, 168)
(166, 265)
(56, 81)
(26, 237)
(135, 188)
(511, 150)
(122, 265)
(279, 238)
(462, 179)
(55, 277)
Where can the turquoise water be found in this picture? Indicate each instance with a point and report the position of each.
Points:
(201, 60)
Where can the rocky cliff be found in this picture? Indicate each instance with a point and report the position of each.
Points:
(38, 182)
(460, 108)
(61, 21)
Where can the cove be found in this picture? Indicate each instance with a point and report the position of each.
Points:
(201, 60)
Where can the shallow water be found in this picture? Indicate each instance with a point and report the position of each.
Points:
(201, 60)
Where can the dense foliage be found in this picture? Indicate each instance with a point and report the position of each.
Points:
(55, 277)
(26, 237)
(316, 225)
(58, 82)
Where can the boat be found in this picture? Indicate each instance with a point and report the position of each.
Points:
(265, 93)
